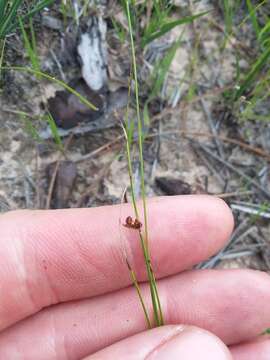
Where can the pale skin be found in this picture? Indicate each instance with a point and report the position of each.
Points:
(66, 291)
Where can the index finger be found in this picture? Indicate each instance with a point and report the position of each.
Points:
(49, 257)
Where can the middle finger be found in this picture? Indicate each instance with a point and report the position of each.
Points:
(219, 301)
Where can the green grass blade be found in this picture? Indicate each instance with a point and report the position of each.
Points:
(30, 129)
(30, 48)
(161, 69)
(264, 34)
(119, 29)
(138, 289)
(9, 13)
(40, 6)
(11, 24)
(252, 14)
(55, 80)
(8, 18)
(3, 4)
(146, 117)
(54, 131)
(159, 16)
(33, 40)
(228, 16)
(255, 70)
(165, 28)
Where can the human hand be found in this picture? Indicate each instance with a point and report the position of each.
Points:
(66, 291)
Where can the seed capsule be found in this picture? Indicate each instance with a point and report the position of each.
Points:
(136, 224)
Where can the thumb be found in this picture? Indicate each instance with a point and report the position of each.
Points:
(167, 342)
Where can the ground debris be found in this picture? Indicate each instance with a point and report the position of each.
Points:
(64, 182)
(92, 49)
(67, 109)
(173, 186)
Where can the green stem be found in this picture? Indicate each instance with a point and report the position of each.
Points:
(137, 287)
(161, 318)
(128, 132)
(134, 63)
(153, 293)
(145, 253)
(144, 242)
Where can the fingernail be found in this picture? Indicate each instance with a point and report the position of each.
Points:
(191, 343)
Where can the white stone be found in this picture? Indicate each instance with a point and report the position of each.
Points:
(93, 53)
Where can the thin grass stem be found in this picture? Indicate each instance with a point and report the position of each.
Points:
(128, 133)
(53, 79)
(144, 240)
(138, 289)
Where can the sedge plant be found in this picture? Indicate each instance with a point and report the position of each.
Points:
(158, 25)
(143, 235)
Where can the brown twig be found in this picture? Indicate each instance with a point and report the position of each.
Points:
(100, 149)
(250, 180)
(256, 150)
(234, 194)
(250, 148)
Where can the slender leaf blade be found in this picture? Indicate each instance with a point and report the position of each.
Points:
(9, 17)
(54, 131)
(256, 68)
(252, 13)
(169, 26)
